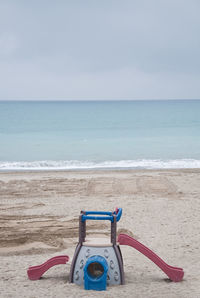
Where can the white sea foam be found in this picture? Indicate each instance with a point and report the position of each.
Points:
(123, 164)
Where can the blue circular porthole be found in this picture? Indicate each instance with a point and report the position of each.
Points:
(95, 273)
(95, 270)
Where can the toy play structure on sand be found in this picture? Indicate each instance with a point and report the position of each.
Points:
(98, 263)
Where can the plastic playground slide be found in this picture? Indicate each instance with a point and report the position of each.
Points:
(35, 272)
(174, 273)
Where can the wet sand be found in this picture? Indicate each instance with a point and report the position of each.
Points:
(39, 219)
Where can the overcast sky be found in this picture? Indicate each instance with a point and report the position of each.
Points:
(99, 49)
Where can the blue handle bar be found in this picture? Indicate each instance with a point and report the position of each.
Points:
(98, 212)
(109, 216)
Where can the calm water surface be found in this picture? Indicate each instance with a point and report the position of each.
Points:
(149, 134)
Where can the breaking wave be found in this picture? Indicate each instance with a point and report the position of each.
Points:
(122, 164)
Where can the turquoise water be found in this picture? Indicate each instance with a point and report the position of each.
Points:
(110, 134)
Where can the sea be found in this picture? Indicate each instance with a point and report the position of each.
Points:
(66, 135)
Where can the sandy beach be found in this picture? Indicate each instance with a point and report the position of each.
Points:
(39, 219)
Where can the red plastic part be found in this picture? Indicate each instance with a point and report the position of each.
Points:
(35, 272)
(174, 273)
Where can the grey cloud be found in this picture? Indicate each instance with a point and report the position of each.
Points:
(99, 49)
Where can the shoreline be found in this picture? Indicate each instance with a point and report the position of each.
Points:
(95, 171)
(125, 169)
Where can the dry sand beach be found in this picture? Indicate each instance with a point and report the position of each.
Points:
(39, 219)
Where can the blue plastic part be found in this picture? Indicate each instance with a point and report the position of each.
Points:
(98, 212)
(95, 283)
(87, 215)
(119, 214)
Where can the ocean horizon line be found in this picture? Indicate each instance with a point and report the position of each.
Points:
(99, 100)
